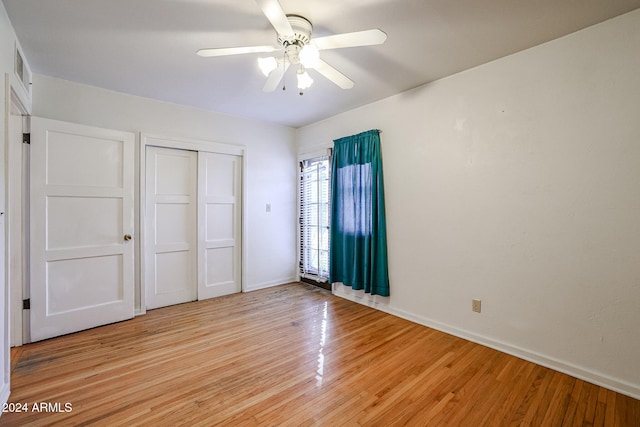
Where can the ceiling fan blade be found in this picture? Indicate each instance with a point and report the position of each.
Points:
(358, 38)
(236, 50)
(275, 77)
(274, 13)
(334, 75)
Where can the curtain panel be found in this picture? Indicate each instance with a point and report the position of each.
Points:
(358, 224)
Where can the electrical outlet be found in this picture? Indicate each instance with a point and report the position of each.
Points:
(476, 305)
(268, 208)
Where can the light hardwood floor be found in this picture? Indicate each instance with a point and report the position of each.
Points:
(293, 355)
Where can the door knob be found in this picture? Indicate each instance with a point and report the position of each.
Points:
(127, 237)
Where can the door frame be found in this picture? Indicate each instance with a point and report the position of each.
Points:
(197, 145)
(17, 242)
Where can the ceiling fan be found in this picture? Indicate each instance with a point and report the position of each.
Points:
(299, 49)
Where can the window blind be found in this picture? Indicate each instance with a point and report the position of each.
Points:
(314, 218)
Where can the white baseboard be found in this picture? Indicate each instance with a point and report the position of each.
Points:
(631, 390)
(269, 284)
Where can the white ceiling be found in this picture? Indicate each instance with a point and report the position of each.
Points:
(147, 47)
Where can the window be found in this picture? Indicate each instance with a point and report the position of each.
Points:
(314, 218)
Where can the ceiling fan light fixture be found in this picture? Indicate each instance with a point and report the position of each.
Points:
(299, 49)
(304, 79)
(309, 56)
(267, 65)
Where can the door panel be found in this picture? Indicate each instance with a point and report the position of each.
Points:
(220, 223)
(100, 222)
(71, 276)
(81, 207)
(170, 224)
(101, 164)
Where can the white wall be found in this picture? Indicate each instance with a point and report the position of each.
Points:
(270, 160)
(518, 182)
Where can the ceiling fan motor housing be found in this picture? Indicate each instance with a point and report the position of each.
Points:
(301, 32)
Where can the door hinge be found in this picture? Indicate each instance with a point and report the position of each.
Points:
(26, 138)
(26, 304)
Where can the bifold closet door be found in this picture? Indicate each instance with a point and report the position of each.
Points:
(170, 226)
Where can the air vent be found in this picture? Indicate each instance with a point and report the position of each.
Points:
(22, 71)
(19, 66)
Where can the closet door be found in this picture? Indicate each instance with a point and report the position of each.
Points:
(219, 224)
(170, 226)
(81, 208)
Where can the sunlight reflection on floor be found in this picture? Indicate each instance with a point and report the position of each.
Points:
(323, 338)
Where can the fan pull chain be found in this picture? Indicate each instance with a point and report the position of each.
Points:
(284, 66)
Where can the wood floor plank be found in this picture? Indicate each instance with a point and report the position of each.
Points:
(292, 355)
(572, 406)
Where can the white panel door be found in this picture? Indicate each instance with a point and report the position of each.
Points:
(170, 226)
(219, 219)
(81, 206)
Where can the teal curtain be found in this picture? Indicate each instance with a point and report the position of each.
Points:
(358, 226)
